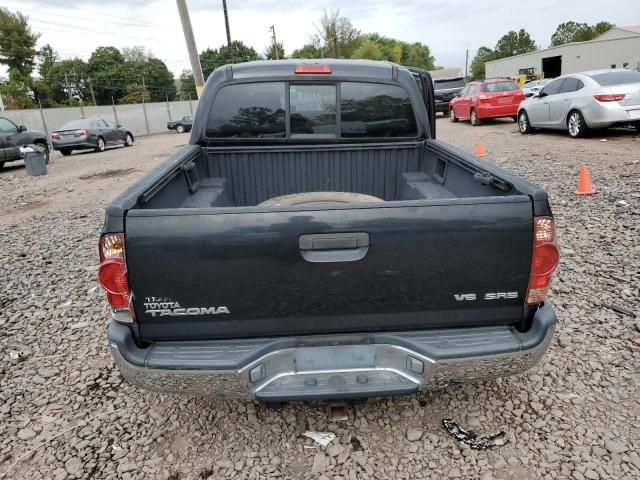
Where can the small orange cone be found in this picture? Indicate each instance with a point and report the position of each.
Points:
(584, 183)
(480, 151)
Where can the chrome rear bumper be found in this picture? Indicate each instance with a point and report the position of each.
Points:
(331, 366)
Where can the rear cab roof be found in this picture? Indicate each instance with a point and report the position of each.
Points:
(283, 71)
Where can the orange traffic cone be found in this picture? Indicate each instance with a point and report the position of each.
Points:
(480, 151)
(584, 183)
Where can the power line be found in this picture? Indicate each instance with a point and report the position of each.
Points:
(102, 13)
(147, 6)
(92, 34)
(67, 26)
(154, 26)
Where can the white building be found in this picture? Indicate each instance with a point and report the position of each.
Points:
(616, 48)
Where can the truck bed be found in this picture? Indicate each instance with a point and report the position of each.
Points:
(242, 177)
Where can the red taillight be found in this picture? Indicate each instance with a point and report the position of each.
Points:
(312, 69)
(113, 278)
(609, 97)
(54, 135)
(82, 132)
(112, 275)
(544, 261)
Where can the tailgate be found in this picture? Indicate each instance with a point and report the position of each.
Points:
(499, 99)
(243, 272)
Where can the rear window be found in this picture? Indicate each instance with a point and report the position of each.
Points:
(445, 84)
(376, 110)
(498, 86)
(260, 110)
(248, 110)
(313, 109)
(616, 78)
(78, 124)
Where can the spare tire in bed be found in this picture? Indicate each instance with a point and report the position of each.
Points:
(319, 198)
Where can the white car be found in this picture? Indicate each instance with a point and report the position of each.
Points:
(582, 101)
(533, 87)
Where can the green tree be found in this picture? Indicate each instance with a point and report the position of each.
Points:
(482, 56)
(17, 43)
(139, 66)
(417, 55)
(388, 48)
(369, 49)
(47, 58)
(15, 91)
(17, 52)
(43, 93)
(68, 77)
(104, 67)
(135, 94)
(571, 31)
(187, 86)
(601, 27)
(566, 32)
(514, 43)
(137, 54)
(307, 51)
(237, 53)
(270, 52)
(336, 37)
(376, 47)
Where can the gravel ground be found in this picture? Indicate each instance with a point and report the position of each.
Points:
(66, 413)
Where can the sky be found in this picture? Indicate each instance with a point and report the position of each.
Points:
(448, 27)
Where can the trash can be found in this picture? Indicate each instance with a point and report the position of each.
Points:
(34, 160)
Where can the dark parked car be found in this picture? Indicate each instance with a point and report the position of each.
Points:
(314, 240)
(90, 133)
(181, 125)
(13, 136)
(445, 91)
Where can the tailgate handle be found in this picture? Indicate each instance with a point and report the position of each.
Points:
(334, 247)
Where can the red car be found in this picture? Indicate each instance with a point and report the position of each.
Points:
(486, 99)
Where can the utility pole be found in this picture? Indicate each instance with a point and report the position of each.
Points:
(115, 113)
(466, 63)
(275, 43)
(93, 96)
(67, 88)
(196, 68)
(226, 22)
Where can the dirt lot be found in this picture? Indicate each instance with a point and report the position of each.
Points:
(65, 413)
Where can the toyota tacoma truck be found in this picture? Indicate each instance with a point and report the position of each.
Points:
(315, 241)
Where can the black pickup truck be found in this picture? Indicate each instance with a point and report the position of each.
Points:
(12, 137)
(315, 241)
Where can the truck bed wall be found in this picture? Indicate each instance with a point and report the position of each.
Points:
(224, 177)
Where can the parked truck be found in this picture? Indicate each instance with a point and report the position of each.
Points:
(314, 240)
(13, 137)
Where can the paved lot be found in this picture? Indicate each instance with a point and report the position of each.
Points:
(574, 416)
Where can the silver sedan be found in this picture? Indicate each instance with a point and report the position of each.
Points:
(582, 101)
(534, 87)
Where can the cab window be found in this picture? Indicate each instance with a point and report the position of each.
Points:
(571, 85)
(7, 126)
(249, 110)
(376, 110)
(553, 87)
